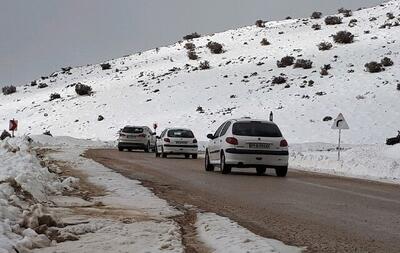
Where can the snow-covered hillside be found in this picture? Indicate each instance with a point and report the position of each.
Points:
(164, 86)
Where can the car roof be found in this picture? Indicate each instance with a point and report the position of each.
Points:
(178, 128)
(136, 126)
(247, 119)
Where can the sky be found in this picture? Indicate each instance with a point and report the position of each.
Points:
(38, 37)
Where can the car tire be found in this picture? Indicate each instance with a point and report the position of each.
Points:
(156, 151)
(121, 149)
(187, 156)
(225, 168)
(261, 170)
(129, 150)
(208, 166)
(147, 148)
(194, 156)
(281, 171)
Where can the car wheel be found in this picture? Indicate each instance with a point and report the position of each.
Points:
(156, 151)
(261, 170)
(208, 166)
(187, 156)
(225, 168)
(129, 150)
(281, 171)
(147, 148)
(194, 156)
(121, 149)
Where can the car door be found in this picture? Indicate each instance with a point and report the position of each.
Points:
(152, 138)
(159, 142)
(221, 140)
(214, 146)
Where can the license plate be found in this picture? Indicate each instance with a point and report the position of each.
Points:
(260, 145)
(181, 142)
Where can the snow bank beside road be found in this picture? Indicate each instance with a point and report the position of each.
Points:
(121, 191)
(158, 232)
(23, 182)
(374, 162)
(20, 164)
(224, 235)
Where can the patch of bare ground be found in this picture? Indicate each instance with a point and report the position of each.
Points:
(190, 238)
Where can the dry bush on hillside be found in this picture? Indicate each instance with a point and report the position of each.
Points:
(285, 62)
(333, 20)
(7, 90)
(343, 37)
(191, 36)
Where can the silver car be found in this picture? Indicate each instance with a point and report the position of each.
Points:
(136, 137)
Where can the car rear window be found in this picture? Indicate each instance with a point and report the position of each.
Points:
(180, 133)
(133, 130)
(256, 128)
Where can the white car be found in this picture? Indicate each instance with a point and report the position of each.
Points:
(247, 143)
(177, 141)
(136, 137)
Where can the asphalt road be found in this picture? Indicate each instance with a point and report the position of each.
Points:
(323, 213)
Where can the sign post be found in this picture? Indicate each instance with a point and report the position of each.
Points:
(13, 126)
(340, 123)
(155, 126)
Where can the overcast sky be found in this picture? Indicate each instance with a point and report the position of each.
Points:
(41, 36)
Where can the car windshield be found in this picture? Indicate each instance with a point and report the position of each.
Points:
(256, 128)
(132, 130)
(180, 133)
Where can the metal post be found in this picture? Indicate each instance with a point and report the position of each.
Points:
(340, 133)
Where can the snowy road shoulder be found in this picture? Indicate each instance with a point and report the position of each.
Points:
(372, 162)
(136, 220)
(223, 235)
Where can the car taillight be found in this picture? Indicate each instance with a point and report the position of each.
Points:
(284, 143)
(142, 135)
(194, 141)
(231, 140)
(167, 140)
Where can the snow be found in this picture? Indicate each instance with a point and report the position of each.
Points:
(138, 237)
(223, 235)
(18, 164)
(148, 225)
(374, 162)
(120, 189)
(128, 96)
(159, 86)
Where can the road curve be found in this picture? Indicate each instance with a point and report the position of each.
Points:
(323, 213)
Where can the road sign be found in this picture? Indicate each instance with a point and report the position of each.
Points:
(13, 125)
(340, 123)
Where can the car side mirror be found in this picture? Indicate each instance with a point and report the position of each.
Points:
(210, 136)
